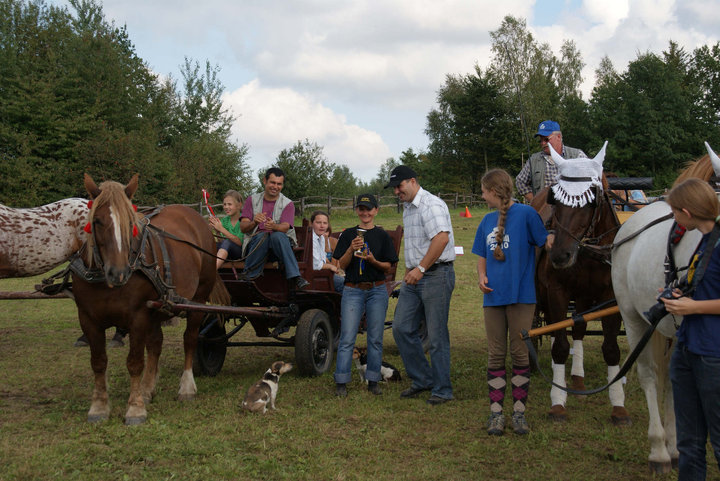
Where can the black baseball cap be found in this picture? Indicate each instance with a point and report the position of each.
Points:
(367, 200)
(400, 173)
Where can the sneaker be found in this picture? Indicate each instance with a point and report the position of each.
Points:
(300, 283)
(496, 424)
(519, 423)
(340, 390)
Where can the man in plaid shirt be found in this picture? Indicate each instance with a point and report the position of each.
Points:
(540, 171)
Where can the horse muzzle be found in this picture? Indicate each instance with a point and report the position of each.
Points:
(563, 258)
(117, 277)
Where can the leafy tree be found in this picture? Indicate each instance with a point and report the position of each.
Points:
(646, 114)
(306, 170)
(76, 98)
(467, 133)
(342, 182)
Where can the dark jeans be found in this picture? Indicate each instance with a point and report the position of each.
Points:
(428, 299)
(273, 246)
(696, 392)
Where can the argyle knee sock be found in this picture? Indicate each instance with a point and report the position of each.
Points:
(520, 387)
(496, 385)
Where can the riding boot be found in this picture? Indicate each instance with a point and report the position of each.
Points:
(496, 379)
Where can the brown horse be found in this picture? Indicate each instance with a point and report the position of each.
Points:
(129, 260)
(577, 268)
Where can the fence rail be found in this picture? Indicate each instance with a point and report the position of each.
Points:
(329, 203)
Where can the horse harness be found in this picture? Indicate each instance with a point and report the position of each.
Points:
(151, 237)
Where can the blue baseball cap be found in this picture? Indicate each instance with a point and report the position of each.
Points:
(547, 127)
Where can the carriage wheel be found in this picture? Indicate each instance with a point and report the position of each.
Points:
(211, 348)
(313, 343)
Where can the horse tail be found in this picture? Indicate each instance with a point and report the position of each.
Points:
(220, 294)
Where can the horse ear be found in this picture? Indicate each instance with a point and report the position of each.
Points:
(714, 159)
(555, 156)
(90, 186)
(600, 157)
(132, 186)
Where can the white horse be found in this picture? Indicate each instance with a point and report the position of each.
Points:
(637, 273)
(34, 241)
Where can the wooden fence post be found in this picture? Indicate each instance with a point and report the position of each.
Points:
(329, 204)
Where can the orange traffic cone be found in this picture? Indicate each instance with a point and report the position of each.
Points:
(466, 213)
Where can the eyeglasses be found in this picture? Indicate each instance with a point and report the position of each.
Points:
(544, 139)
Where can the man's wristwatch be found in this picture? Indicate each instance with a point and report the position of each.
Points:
(421, 269)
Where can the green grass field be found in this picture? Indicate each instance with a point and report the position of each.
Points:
(46, 387)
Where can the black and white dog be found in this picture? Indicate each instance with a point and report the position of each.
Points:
(387, 370)
(265, 390)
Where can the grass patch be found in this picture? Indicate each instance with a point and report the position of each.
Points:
(45, 394)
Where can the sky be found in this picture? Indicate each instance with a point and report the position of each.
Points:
(358, 77)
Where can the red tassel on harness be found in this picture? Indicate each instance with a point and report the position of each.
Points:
(88, 228)
(90, 204)
(135, 230)
(677, 234)
(134, 207)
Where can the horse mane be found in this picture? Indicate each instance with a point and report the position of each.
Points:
(701, 168)
(113, 193)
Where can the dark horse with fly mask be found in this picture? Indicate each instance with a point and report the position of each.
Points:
(577, 268)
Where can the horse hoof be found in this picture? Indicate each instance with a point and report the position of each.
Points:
(659, 468)
(620, 416)
(116, 341)
(135, 421)
(558, 413)
(674, 463)
(186, 397)
(577, 383)
(97, 418)
(81, 342)
(621, 421)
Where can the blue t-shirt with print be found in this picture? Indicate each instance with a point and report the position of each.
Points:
(512, 280)
(701, 332)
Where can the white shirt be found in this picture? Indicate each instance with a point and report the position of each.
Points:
(423, 218)
(319, 256)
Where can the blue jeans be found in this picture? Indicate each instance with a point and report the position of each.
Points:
(429, 298)
(339, 282)
(271, 246)
(356, 302)
(234, 251)
(696, 391)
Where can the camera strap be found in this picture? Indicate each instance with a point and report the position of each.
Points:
(695, 277)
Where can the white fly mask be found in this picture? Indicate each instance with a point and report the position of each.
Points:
(714, 159)
(577, 177)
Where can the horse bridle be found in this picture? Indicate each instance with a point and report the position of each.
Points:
(586, 241)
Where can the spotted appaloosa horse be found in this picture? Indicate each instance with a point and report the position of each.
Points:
(126, 251)
(576, 268)
(35, 240)
(637, 273)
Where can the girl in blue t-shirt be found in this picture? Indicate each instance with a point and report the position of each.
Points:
(695, 363)
(505, 243)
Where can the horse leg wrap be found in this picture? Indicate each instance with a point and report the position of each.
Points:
(557, 395)
(496, 379)
(520, 386)
(616, 392)
(577, 359)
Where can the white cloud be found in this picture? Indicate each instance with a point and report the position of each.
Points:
(272, 119)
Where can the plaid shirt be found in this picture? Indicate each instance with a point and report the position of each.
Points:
(523, 181)
(423, 218)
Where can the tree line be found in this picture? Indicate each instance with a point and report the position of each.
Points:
(75, 97)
